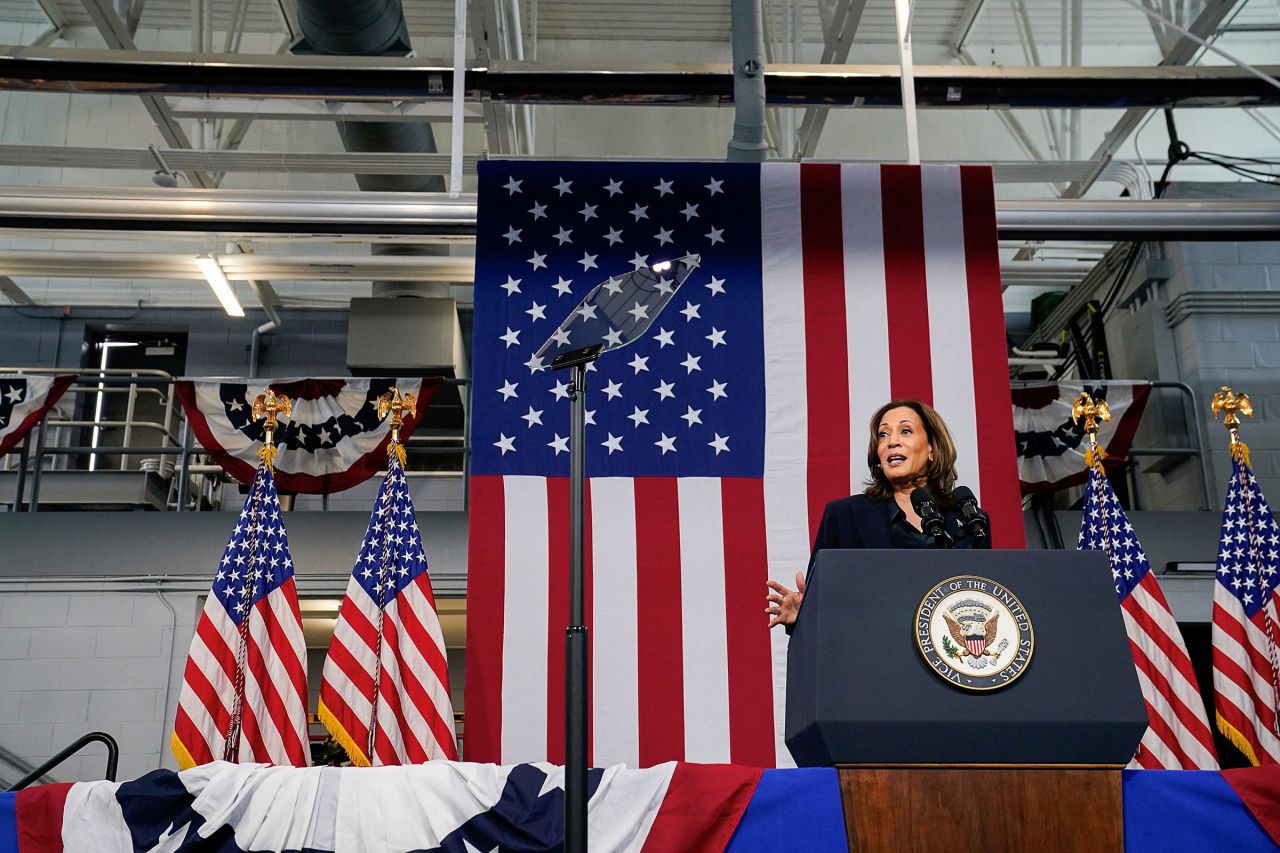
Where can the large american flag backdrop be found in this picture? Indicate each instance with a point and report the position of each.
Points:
(1246, 683)
(248, 658)
(715, 441)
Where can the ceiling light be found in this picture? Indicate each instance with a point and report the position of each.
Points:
(164, 176)
(221, 287)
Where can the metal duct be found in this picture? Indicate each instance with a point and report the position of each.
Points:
(359, 28)
(374, 28)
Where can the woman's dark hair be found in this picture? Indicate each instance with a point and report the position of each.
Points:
(941, 473)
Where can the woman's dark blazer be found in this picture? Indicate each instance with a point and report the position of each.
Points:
(859, 521)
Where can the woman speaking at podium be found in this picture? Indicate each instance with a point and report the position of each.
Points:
(910, 449)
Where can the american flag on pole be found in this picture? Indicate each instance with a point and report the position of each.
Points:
(714, 442)
(1245, 630)
(244, 692)
(1178, 737)
(385, 689)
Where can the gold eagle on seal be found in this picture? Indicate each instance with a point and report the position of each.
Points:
(973, 636)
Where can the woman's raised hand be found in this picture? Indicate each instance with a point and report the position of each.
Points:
(784, 603)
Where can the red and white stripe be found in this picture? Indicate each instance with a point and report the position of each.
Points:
(899, 297)
(1179, 736)
(414, 711)
(274, 729)
(879, 282)
(1244, 692)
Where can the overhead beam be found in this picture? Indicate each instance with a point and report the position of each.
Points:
(239, 266)
(288, 11)
(50, 9)
(838, 40)
(398, 79)
(388, 163)
(15, 294)
(363, 163)
(373, 213)
(499, 120)
(117, 35)
(1210, 21)
(968, 17)
(240, 127)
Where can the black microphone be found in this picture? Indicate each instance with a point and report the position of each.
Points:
(972, 518)
(931, 520)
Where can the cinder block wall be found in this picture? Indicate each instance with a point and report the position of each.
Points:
(76, 662)
(97, 611)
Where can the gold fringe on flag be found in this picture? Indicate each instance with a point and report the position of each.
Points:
(340, 734)
(397, 449)
(1238, 740)
(267, 453)
(179, 749)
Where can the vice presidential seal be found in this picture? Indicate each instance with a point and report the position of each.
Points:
(974, 633)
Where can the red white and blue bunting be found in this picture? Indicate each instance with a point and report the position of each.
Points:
(24, 400)
(332, 441)
(1051, 445)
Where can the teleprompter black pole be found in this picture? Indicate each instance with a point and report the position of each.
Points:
(575, 638)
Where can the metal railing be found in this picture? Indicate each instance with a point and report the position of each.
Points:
(194, 480)
(1197, 439)
(113, 759)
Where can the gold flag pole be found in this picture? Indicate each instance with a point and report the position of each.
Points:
(397, 405)
(1092, 411)
(270, 405)
(266, 405)
(1229, 405)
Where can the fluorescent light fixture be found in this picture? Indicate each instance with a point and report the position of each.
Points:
(662, 266)
(221, 287)
(106, 347)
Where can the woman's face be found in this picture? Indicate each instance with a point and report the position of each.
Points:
(903, 446)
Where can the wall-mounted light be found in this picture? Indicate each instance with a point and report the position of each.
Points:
(221, 287)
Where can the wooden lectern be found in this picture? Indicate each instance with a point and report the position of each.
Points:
(1025, 755)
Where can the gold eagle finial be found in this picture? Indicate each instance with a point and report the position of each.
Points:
(1091, 411)
(270, 405)
(1229, 405)
(397, 405)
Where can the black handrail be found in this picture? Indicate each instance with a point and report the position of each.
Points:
(113, 758)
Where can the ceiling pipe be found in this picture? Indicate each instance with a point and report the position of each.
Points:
(273, 322)
(237, 212)
(747, 144)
